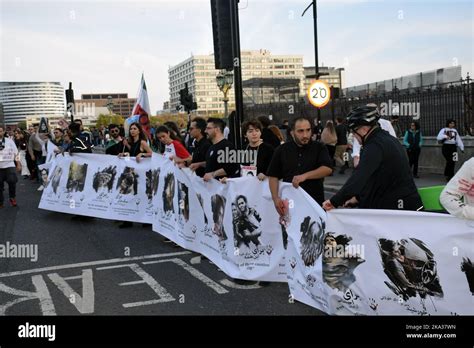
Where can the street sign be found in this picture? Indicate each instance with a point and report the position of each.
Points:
(43, 126)
(319, 93)
(63, 124)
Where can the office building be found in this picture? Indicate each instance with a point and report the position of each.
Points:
(23, 100)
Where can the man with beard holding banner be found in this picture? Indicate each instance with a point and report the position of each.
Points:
(302, 162)
(215, 168)
(201, 145)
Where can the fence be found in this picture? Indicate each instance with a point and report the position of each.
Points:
(431, 106)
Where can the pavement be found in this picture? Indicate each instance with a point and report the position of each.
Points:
(90, 266)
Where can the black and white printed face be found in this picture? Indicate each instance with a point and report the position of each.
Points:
(241, 204)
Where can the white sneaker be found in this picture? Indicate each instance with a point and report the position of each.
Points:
(41, 188)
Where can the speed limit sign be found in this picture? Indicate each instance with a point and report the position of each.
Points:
(319, 93)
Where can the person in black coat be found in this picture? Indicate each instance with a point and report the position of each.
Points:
(268, 136)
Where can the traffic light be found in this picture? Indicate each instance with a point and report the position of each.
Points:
(182, 96)
(222, 32)
(186, 99)
(70, 101)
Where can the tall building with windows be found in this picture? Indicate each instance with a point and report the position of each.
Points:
(2, 118)
(26, 100)
(91, 105)
(120, 103)
(263, 70)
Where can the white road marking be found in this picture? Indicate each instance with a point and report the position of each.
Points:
(73, 277)
(229, 283)
(41, 294)
(163, 294)
(196, 260)
(135, 282)
(143, 303)
(194, 272)
(91, 263)
(84, 303)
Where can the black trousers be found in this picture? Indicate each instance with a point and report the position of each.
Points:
(31, 165)
(448, 153)
(8, 175)
(332, 151)
(413, 156)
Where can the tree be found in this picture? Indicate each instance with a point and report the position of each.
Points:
(105, 120)
(22, 125)
(180, 119)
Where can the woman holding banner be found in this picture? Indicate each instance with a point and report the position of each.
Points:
(174, 149)
(136, 145)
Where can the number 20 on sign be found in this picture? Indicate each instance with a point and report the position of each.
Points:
(319, 93)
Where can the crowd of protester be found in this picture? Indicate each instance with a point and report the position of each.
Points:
(302, 153)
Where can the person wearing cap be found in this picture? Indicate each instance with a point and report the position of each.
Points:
(383, 178)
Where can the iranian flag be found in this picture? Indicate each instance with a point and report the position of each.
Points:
(141, 110)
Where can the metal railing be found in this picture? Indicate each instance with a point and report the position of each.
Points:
(430, 105)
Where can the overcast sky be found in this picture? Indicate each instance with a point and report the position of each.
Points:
(104, 46)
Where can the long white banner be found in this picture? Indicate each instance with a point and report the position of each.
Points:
(345, 262)
(380, 262)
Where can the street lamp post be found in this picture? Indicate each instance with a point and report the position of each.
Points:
(224, 82)
(110, 104)
(315, 28)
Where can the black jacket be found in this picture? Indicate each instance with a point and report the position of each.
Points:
(270, 138)
(80, 146)
(383, 178)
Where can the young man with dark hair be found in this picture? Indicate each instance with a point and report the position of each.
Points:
(78, 144)
(197, 130)
(58, 137)
(114, 145)
(9, 159)
(252, 131)
(217, 165)
(83, 134)
(302, 162)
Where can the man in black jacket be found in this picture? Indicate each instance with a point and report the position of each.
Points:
(383, 178)
(268, 136)
(78, 144)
